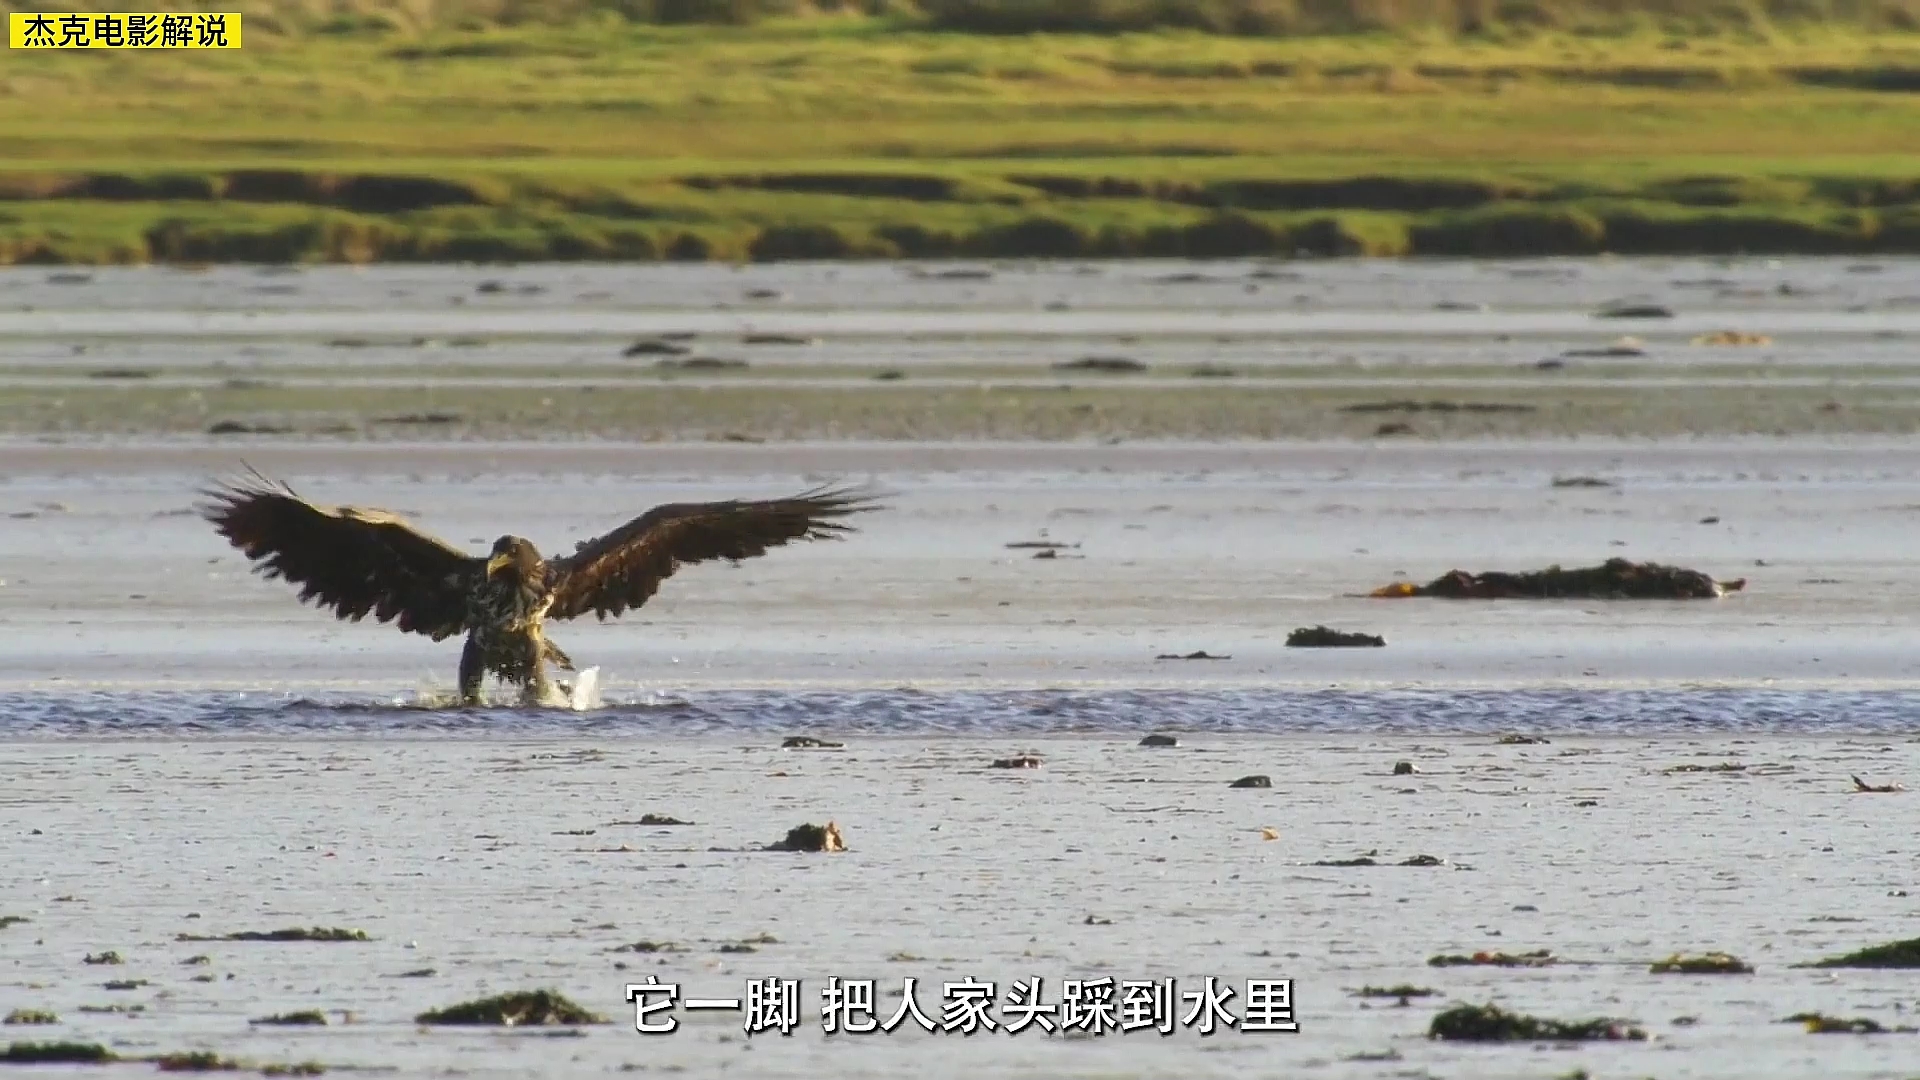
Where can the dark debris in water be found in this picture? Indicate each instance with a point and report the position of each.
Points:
(520, 1009)
(1200, 654)
(1490, 1023)
(1258, 780)
(1861, 787)
(808, 742)
(1615, 579)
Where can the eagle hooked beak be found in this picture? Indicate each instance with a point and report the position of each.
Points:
(498, 563)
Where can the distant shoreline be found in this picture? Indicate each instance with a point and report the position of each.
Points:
(850, 138)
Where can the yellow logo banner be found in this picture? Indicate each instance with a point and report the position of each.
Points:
(90, 30)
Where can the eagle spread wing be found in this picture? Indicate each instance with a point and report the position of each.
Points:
(624, 568)
(357, 562)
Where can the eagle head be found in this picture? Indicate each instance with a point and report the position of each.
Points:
(515, 557)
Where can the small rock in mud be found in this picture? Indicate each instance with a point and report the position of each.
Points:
(197, 961)
(1490, 1023)
(778, 339)
(655, 819)
(1714, 963)
(30, 1016)
(1200, 654)
(808, 742)
(108, 957)
(1404, 768)
(308, 1017)
(1723, 767)
(1861, 787)
(655, 347)
(1159, 740)
(1536, 958)
(124, 984)
(417, 973)
(1255, 781)
(889, 375)
(520, 1009)
(811, 838)
(297, 933)
(1110, 364)
(23, 1053)
(1423, 860)
(1521, 740)
(764, 294)
(1097, 920)
(1024, 761)
(237, 427)
(1634, 311)
(1582, 482)
(1322, 637)
(701, 363)
(1898, 954)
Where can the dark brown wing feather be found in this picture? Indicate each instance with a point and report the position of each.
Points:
(624, 568)
(354, 561)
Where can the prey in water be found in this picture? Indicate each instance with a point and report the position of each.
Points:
(359, 562)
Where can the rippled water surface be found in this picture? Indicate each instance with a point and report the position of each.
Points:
(1029, 713)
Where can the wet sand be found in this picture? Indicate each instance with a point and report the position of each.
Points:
(503, 864)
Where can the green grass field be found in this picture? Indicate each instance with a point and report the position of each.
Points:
(431, 132)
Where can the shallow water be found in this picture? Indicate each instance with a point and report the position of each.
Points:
(1014, 714)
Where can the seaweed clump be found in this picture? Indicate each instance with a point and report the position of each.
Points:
(312, 1017)
(1616, 579)
(1490, 1023)
(1897, 954)
(297, 933)
(196, 1061)
(525, 1008)
(23, 1053)
(1713, 963)
(811, 838)
(1325, 637)
(1821, 1024)
(1536, 958)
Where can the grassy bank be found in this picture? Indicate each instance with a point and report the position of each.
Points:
(396, 135)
